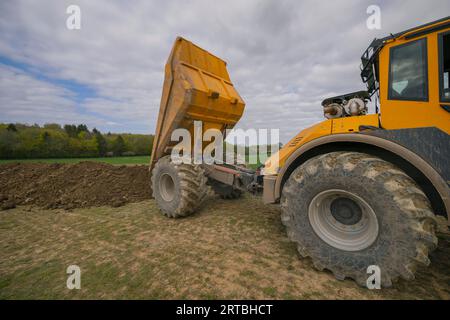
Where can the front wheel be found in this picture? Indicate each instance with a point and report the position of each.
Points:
(349, 210)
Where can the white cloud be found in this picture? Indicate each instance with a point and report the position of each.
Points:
(283, 57)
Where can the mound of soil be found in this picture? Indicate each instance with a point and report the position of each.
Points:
(68, 186)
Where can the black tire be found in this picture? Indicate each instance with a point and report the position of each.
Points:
(179, 190)
(225, 191)
(405, 221)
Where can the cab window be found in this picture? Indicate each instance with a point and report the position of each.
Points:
(408, 79)
(444, 66)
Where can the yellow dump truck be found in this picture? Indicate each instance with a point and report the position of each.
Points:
(356, 190)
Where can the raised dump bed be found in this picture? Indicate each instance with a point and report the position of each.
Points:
(197, 87)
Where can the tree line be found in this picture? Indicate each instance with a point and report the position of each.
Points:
(21, 141)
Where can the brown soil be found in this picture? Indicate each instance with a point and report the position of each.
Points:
(69, 186)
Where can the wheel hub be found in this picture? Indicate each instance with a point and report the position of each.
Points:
(346, 211)
(343, 220)
(167, 187)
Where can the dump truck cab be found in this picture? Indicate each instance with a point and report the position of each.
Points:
(407, 78)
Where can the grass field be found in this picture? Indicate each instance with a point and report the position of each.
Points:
(228, 250)
(110, 160)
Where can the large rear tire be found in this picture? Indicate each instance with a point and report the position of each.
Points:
(179, 189)
(348, 211)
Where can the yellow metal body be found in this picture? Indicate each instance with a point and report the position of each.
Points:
(324, 128)
(395, 114)
(196, 87)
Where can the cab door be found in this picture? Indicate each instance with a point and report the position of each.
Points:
(414, 84)
(444, 71)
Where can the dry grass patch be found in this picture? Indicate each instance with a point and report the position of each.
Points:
(229, 250)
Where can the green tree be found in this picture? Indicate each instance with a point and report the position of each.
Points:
(82, 128)
(71, 130)
(52, 126)
(101, 144)
(45, 136)
(119, 146)
(83, 135)
(11, 127)
(44, 144)
(21, 141)
(8, 144)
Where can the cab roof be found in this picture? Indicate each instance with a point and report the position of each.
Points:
(369, 59)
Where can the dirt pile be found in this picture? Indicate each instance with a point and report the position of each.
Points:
(69, 186)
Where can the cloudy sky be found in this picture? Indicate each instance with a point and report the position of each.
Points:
(284, 57)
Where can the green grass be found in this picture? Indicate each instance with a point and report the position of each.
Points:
(134, 160)
(111, 160)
